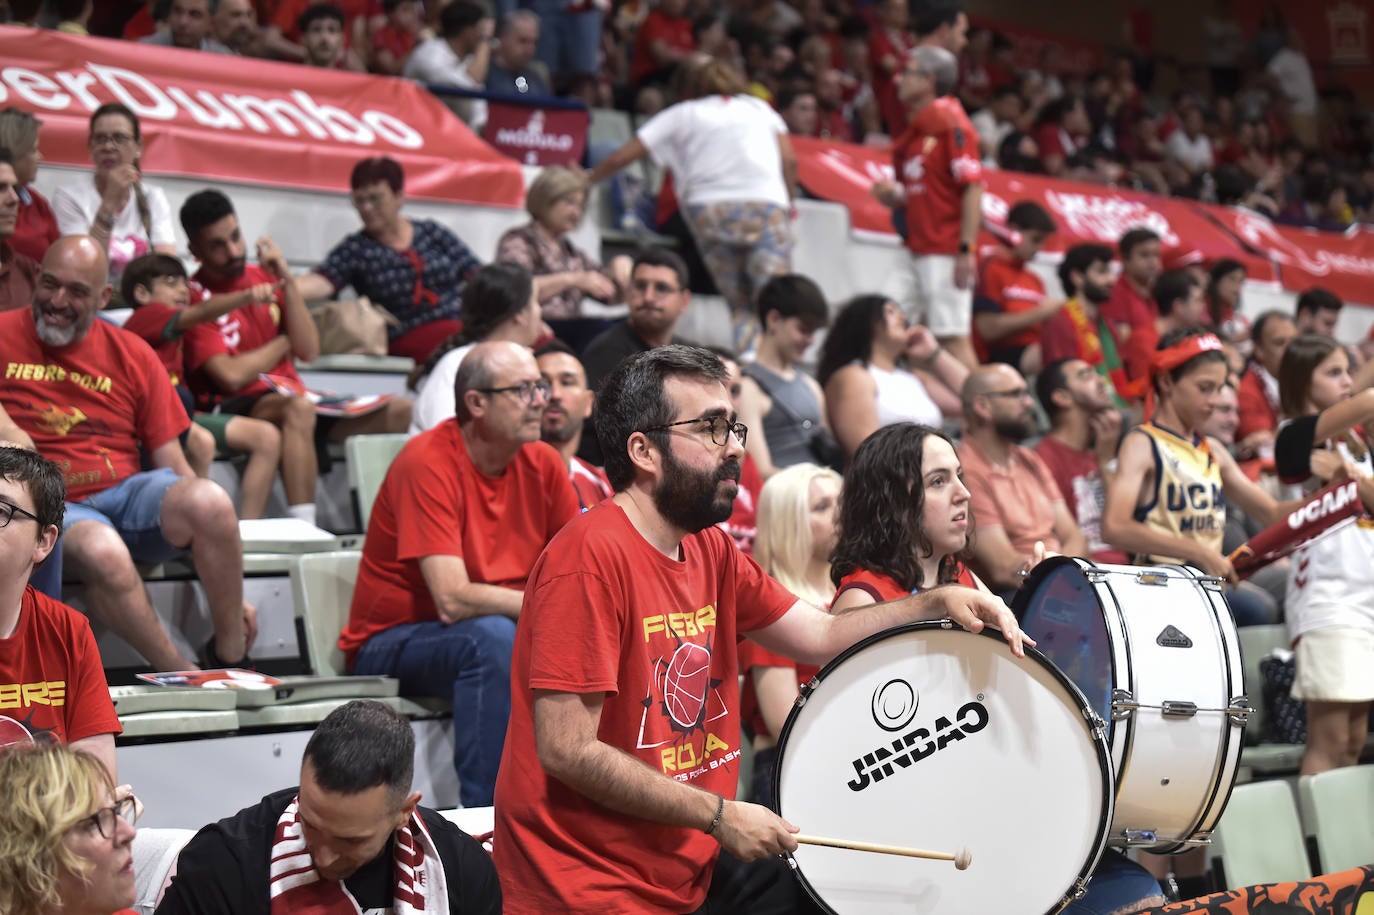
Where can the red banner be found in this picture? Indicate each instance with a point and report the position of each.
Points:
(221, 117)
(537, 136)
(1092, 213)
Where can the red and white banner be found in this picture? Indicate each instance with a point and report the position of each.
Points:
(535, 135)
(1298, 258)
(221, 117)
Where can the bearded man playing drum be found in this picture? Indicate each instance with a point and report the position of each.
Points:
(624, 730)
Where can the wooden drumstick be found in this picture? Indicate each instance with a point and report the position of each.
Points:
(962, 859)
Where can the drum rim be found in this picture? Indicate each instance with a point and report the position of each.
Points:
(1095, 732)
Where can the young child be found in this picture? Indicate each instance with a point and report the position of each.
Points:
(393, 42)
(155, 286)
(1330, 610)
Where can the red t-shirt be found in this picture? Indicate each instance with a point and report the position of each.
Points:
(1085, 493)
(1018, 498)
(1132, 317)
(288, 12)
(88, 406)
(606, 613)
(833, 125)
(882, 587)
(35, 228)
(18, 278)
(1257, 411)
(52, 683)
(743, 523)
(435, 502)
(150, 323)
(935, 160)
(398, 41)
(240, 331)
(886, 43)
(674, 31)
(1006, 286)
(589, 482)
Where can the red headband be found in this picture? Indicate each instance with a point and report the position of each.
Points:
(1166, 360)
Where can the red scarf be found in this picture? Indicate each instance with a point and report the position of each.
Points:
(296, 888)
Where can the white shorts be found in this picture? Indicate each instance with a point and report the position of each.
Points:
(925, 289)
(1335, 665)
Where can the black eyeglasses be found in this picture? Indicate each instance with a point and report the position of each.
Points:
(104, 819)
(8, 511)
(525, 390)
(718, 426)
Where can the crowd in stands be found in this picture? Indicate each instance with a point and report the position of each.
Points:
(578, 493)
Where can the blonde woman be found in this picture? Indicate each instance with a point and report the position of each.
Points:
(66, 834)
(796, 534)
(563, 273)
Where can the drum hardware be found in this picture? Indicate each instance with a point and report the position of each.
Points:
(1149, 838)
(1096, 725)
(962, 858)
(1240, 710)
(1123, 703)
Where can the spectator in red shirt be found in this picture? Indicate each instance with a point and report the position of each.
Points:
(1080, 448)
(36, 224)
(1258, 392)
(1079, 331)
(1178, 296)
(1317, 311)
(833, 118)
(465, 510)
(663, 41)
(18, 272)
(283, 29)
(46, 648)
(941, 185)
(321, 28)
(1010, 302)
(1131, 308)
(1061, 132)
(226, 359)
(235, 25)
(888, 45)
(942, 24)
(97, 401)
(392, 43)
(570, 404)
(796, 102)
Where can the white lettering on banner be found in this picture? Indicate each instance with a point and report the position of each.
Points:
(1260, 233)
(532, 136)
(1318, 509)
(28, 86)
(1108, 218)
(287, 116)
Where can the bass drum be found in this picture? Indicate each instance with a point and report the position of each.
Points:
(932, 737)
(1154, 648)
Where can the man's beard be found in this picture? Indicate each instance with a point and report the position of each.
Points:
(61, 336)
(1095, 293)
(561, 433)
(1016, 430)
(688, 499)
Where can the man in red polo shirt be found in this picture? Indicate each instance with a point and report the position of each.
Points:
(1259, 386)
(1010, 303)
(941, 184)
(226, 358)
(465, 510)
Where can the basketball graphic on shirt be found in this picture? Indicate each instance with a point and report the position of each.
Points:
(12, 732)
(685, 684)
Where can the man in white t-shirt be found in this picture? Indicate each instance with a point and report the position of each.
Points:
(1291, 76)
(458, 56)
(1189, 145)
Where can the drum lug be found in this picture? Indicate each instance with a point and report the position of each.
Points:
(1096, 726)
(1213, 584)
(1240, 710)
(1080, 889)
(1096, 576)
(1152, 578)
(1173, 708)
(1123, 704)
(1140, 837)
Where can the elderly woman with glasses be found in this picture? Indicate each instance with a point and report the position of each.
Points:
(124, 215)
(66, 834)
(413, 268)
(563, 273)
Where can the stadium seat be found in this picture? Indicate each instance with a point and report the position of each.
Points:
(1259, 839)
(166, 711)
(1338, 809)
(369, 457)
(1259, 757)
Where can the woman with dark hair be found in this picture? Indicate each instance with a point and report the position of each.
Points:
(415, 269)
(906, 525)
(66, 834)
(734, 172)
(498, 304)
(1330, 606)
(866, 372)
(1225, 281)
(125, 216)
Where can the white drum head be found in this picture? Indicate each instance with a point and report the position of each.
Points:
(992, 754)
